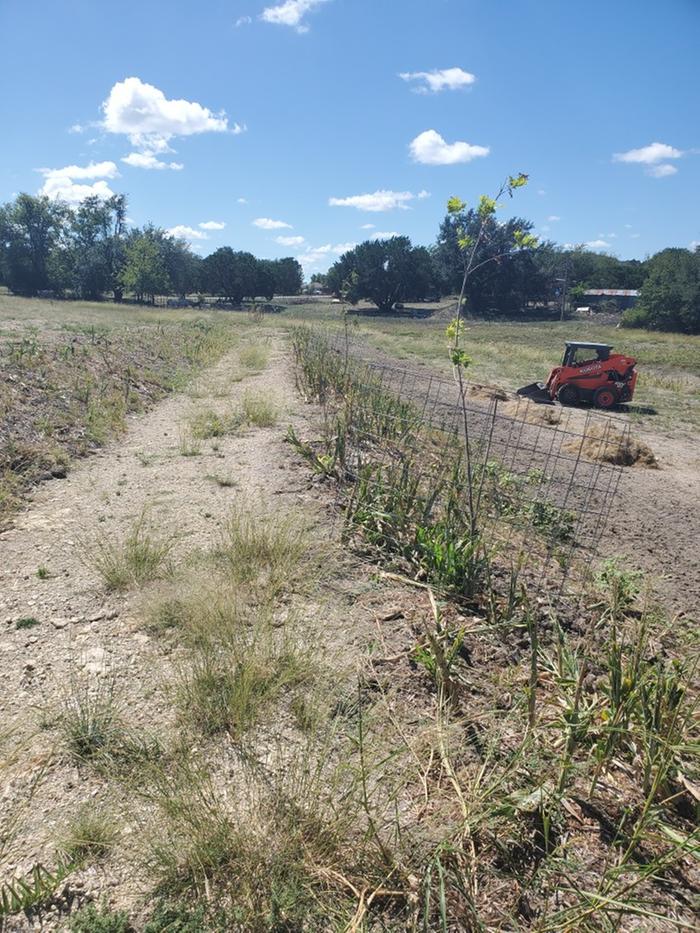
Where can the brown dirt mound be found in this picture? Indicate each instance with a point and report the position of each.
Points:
(610, 446)
(532, 413)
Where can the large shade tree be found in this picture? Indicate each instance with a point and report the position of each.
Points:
(383, 271)
(670, 296)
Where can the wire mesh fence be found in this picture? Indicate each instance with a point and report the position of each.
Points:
(458, 485)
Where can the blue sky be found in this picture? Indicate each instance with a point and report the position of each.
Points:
(271, 110)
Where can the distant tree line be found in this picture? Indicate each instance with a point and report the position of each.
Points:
(89, 252)
(506, 283)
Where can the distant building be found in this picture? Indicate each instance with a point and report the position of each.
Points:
(622, 297)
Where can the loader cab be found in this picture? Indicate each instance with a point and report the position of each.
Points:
(579, 354)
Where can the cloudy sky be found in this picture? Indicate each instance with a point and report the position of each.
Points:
(300, 127)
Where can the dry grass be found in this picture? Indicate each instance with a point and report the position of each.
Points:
(254, 357)
(140, 556)
(611, 446)
(90, 835)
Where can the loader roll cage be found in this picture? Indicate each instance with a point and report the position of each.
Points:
(599, 352)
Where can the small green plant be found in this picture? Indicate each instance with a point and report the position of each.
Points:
(92, 919)
(90, 722)
(620, 586)
(27, 622)
(30, 894)
(141, 556)
(43, 573)
(89, 837)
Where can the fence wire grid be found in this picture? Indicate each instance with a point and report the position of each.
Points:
(535, 483)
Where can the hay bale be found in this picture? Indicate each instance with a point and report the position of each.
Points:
(606, 445)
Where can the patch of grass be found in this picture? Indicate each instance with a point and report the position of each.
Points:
(207, 423)
(90, 836)
(90, 721)
(254, 356)
(141, 556)
(43, 573)
(182, 918)
(228, 690)
(266, 549)
(92, 919)
(258, 410)
(27, 622)
(189, 445)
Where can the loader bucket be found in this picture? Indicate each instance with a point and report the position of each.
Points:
(537, 392)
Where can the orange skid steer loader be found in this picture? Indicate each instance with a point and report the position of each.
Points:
(589, 373)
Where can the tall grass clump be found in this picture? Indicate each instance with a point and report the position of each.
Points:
(139, 557)
(266, 549)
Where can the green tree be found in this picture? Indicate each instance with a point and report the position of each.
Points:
(383, 271)
(670, 296)
(232, 275)
(145, 270)
(34, 244)
(182, 265)
(265, 279)
(289, 276)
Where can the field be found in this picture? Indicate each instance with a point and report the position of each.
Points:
(278, 652)
(511, 355)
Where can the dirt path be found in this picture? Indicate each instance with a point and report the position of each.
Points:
(82, 632)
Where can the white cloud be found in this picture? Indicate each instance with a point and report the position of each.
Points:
(289, 240)
(183, 232)
(648, 155)
(429, 148)
(150, 120)
(385, 235)
(212, 225)
(662, 171)
(597, 244)
(553, 218)
(432, 82)
(241, 200)
(265, 223)
(422, 195)
(326, 253)
(382, 200)
(60, 183)
(693, 245)
(290, 13)
(367, 227)
(243, 21)
(150, 161)
(635, 236)
(76, 128)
